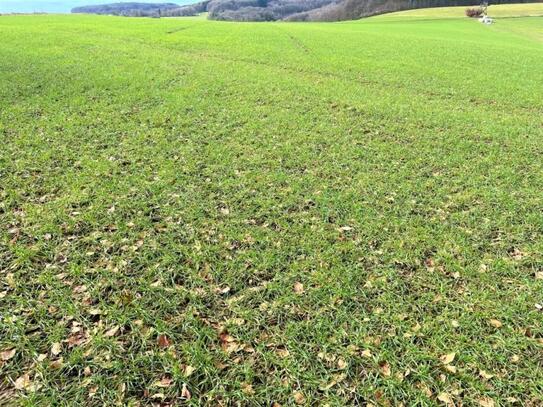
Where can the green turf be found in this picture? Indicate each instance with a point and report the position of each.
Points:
(167, 187)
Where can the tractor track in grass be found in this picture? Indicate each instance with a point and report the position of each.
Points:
(298, 44)
(466, 103)
(176, 30)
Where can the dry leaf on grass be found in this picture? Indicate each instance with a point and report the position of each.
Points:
(486, 402)
(7, 354)
(448, 358)
(336, 379)
(164, 382)
(56, 348)
(92, 391)
(341, 363)
(384, 367)
(76, 339)
(56, 364)
(185, 393)
(187, 370)
(424, 388)
(112, 332)
(228, 343)
(163, 341)
(247, 389)
(23, 382)
(299, 398)
(450, 368)
(495, 323)
(445, 398)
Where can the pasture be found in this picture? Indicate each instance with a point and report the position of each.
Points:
(210, 213)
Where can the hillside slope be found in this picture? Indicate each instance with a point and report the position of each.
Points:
(316, 10)
(272, 10)
(354, 9)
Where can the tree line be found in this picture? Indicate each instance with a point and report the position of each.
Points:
(272, 10)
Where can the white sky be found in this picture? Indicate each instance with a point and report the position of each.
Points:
(64, 6)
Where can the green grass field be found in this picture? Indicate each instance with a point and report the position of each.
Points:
(247, 214)
(497, 11)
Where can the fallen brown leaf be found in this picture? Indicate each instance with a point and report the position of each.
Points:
(56, 364)
(185, 393)
(164, 382)
(23, 382)
(112, 332)
(228, 343)
(247, 389)
(424, 388)
(450, 368)
(341, 363)
(163, 341)
(76, 339)
(337, 378)
(299, 398)
(385, 369)
(495, 323)
(56, 348)
(448, 358)
(187, 370)
(486, 402)
(445, 398)
(7, 354)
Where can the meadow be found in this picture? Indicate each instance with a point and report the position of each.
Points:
(210, 213)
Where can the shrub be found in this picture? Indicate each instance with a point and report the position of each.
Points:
(474, 12)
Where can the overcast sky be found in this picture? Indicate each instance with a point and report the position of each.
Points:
(64, 6)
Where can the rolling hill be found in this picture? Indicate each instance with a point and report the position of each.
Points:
(272, 10)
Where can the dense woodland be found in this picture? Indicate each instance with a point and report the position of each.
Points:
(127, 9)
(272, 10)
